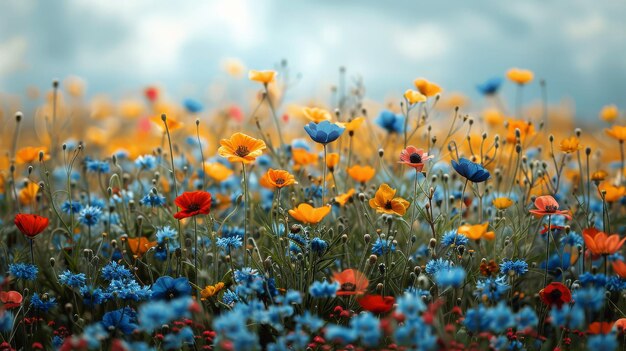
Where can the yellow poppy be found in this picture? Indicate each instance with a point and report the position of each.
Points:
(385, 202)
(211, 290)
(30, 154)
(502, 203)
(277, 178)
(613, 193)
(571, 144)
(361, 174)
(308, 214)
(520, 76)
(476, 231)
(599, 176)
(241, 148)
(617, 132)
(316, 114)
(352, 125)
(493, 117)
(28, 194)
(426, 88)
(342, 199)
(172, 124)
(609, 113)
(413, 96)
(264, 77)
(217, 171)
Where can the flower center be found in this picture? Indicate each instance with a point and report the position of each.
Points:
(415, 158)
(551, 208)
(348, 287)
(194, 207)
(555, 294)
(242, 151)
(388, 205)
(280, 181)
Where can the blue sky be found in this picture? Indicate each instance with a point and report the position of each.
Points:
(118, 46)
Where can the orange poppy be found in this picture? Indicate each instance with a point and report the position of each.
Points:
(301, 157)
(172, 124)
(599, 176)
(525, 128)
(316, 114)
(546, 205)
(31, 225)
(619, 267)
(10, 299)
(139, 246)
(332, 159)
(28, 194)
(352, 125)
(211, 290)
(612, 193)
(620, 325)
(413, 97)
(571, 144)
(502, 203)
(361, 174)
(385, 202)
(609, 113)
(520, 76)
(600, 328)
(414, 157)
(308, 214)
(427, 88)
(277, 178)
(217, 171)
(30, 154)
(342, 199)
(617, 132)
(351, 282)
(241, 148)
(476, 231)
(193, 203)
(599, 243)
(264, 77)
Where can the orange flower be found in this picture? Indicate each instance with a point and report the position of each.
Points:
(385, 202)
(352, 125)
(351, 282)
(342, 199)
(426, 88)
(277, 178)
(332, 159)
(546, 205)
(617, 132)
(361, 174)
(217, 171)
(28, 194)
(264, 77)
(413, 97)
(599, 176)
(600, 328)
(476, 231)
(316, 114)
(139, 246)
(211, 290)
(172, 124)
(609, 113)
(308, 214)
(30, 154)
(526, 129)
(301, 157)
(619, 267)
(241, 148)
(612, 193)
(493, 117)
(571, 144)
(502, 203)
(520, 76)
(599, 243)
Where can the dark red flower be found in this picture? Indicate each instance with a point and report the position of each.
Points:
(10, 299)
(377, 303)
(193, 203)
(555, 294)
(31, 225)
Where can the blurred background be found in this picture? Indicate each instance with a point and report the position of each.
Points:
(192, 48)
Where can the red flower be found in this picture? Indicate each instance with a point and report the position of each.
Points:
(10, 299)
(31, 225)
(193, 203)
(546, 206)
(377, 303)
(555, 294)
(414, 157)
(600, 328)
(152, 93)
(351, 282)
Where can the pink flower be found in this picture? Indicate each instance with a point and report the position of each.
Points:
(414, 157)
(547, 205)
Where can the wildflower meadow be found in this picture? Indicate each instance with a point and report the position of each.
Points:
(145, 222)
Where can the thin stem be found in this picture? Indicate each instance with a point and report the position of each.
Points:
(245, 213)
(545, 277)
(324, 175)
(195, 243)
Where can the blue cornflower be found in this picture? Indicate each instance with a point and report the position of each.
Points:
(90, 215)
(230, 297)
(115, 271)
(166, 233)
(97, 166)
(155, 314)
(490, 86)
(476, 319)
(168, 288)
(73, 207)
(192, 105)
(410, 305)
(323, 289)
(391, 122)
(337, 333)
(175, 341)
(471, 171)
(292, 297)
(72, 280)
(318, 245)
(124, 319)
(589, 298)
(603, 342)
(500, 318)
(434, 266)
(567, 316)
(572, 239)
(324, 132)
(42, 304)
(588, 279)
(526, 318)
(6, 321)
(367, 327)
(510, 267)
(146, 162)
(153, 200)
(452, 237)
(615, 284)
(451, 277)
(93, 297)
(491, 288)
(229, 243)
(128, 289)
(94, 334)
(383, 246)
(23, 271)
(309, 321)
(415, 334)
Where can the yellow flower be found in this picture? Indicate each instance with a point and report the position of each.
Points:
(385, 202)
(332, 159)
(617, 132)
(426, 88)
(139, 246)
(30, 154)
(413, 97)
(599, 176)
(613, 193)
(211, 290)
(316, 114)
(172, 124)
(352, 125)
(520, 76)
(132, 109)
(233, 67)
(277, 178)
(342, 199)
(241, 148)
(493, 117)
(361, 174)
(75, 86)
(476, 231)
(570, 145)
(526, 129)
(264, 77)
(502, 203)
(609, 113)
(28, 194)
(217, 171)
(308, 214)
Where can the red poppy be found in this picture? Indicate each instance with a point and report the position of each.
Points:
(152, 93)
(414, 157)
(600, 328)
(351, 282)
(10, 299)
(620, 325)
(555, 294)
(547, 205)
(193, 203)
(31, 225)
(377, 303)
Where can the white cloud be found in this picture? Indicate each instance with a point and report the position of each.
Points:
(422, 42)
(13, 54)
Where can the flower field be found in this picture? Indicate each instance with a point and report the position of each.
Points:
(415, 223)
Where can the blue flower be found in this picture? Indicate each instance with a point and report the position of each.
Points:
(168, 288)
(526, 318)
(337, 333)
(166, 233)
(124, 319)
(42, 304)
(453, 237)
(90, 215)
(318, 245)
(146, 162)
(73, 207)
(153, 200)
(309, 321)
(115, 271)
(323, 289)
(391, 122)
(97, 166)
(93, 297)
(589, 298)
(517, 267)
(6, 321)
(367, 327)
(500, 318)
(471, 171)
(410, 305)
(128, 289)
(490, 86)
(567, 316)
(193, 106)
(229, 243)
(603, 342)
(323, 132)
(383, 246)
(453, 276)
(175, 341)
(476, 319)
(491, 288)
(588, 279)
(23, 271)
(434, 266)
(72, 280)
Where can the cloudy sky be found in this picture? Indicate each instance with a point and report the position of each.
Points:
(577, 46)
